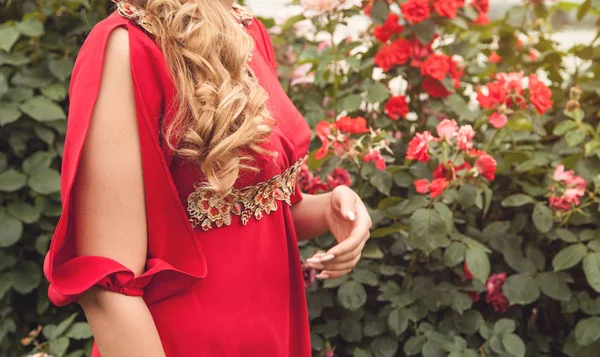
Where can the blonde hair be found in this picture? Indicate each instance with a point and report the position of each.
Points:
(221, 107)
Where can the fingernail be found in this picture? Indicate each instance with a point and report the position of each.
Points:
(315, 265)
(322, 276)
(327, 257)
(351, 215)
(313, 260)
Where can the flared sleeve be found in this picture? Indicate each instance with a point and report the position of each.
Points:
(175, 259)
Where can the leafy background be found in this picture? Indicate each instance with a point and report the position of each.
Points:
(410, 294)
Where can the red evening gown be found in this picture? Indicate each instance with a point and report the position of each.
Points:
(223, 278)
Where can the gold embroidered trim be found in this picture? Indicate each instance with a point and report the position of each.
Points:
(206, 208)
(137, 15)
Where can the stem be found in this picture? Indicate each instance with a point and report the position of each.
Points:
(489, 145)
(413, 263)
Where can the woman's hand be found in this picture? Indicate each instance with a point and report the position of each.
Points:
(349, 222)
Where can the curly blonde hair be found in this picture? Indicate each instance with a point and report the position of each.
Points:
(221, 107)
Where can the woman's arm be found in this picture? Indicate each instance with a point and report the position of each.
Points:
(342, 213)
(309, 215)
(109, 209)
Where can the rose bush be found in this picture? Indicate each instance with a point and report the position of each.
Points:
(474, 141)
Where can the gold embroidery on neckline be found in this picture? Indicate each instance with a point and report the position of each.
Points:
(206, 208)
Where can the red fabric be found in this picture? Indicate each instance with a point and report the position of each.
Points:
(230, 291)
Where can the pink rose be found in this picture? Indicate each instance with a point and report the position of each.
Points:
(498, 120)
(447, 129)
(464, 138)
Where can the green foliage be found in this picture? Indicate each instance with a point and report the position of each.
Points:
(39, 41)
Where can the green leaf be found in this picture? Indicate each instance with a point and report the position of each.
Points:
(45, 181)
(59, 347)
(516, 16)
(425, 31)
(414, 344)
(372, 251)
(61, 68)
(587, 331)
(379, 12)
(517, 200)
(56, 92)
(23, 211)
(513, 344)
(31, 27)
(384, 346)
(591, 268)
(8, 113)
(566, 235)
(39, 160)
(382, 180)
(455, 254)
(8, 37)
(569, 257)
(26, 276)
(542, 217)
(427, 230)
(11, 230)
(398, 321)
(576, 137)
(352, 295)
(64, 325)
(460, 302)
(12, 180)
(504, 326)
(351, 103)
(563, 127)
(554, 286)
(446, 214)
(478, 263)
(521, 289)
(42, 109)
(365, 276)
(467, 195)
(377, 93)
(458, 105)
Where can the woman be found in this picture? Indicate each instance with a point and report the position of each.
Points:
(181, 212)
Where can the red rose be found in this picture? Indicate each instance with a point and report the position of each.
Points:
(483, 8)
(422, 186)
(438, 186)
(397, 107)
(338, 177)
(391, 27)
(376, 157)
(539, 94)
(494, 57)
(397, 53)
(435, 88)
(420, 51)
(415, 11)
(357, 125)
(455, 72)
(486, 166)
(495, 296)
(418, 147)
(447, 8)
(436, 66)
(497, 95)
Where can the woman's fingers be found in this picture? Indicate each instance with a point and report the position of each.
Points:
(360, 230)
(345, 203)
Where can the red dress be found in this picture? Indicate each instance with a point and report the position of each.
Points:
(223, 279)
